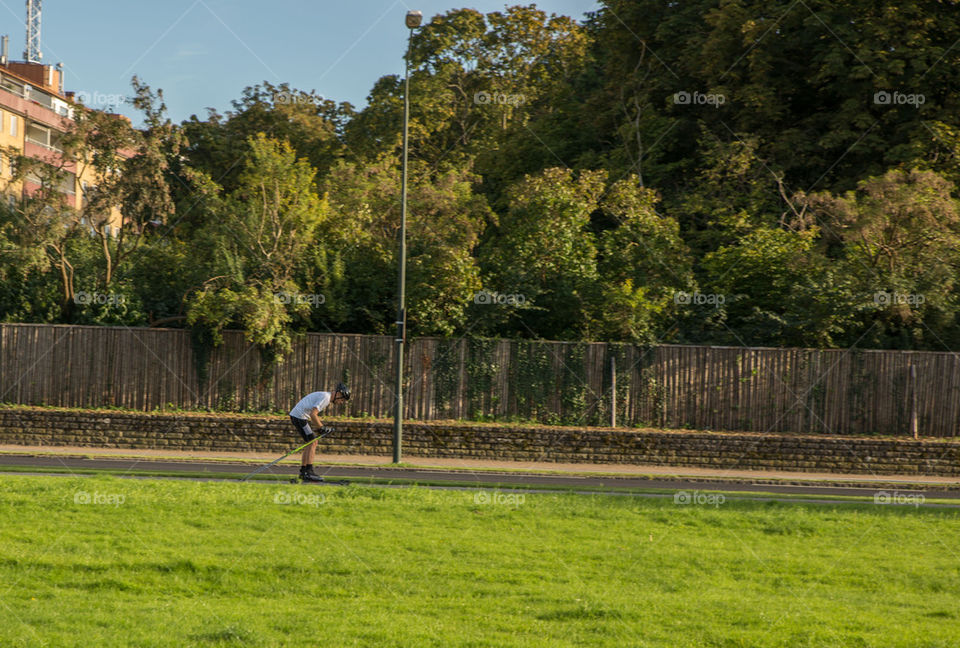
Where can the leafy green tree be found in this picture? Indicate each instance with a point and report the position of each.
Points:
(832, 92)
(38, 227)
(127, 196)
(31, 287)
(473, 77)
(733, 192)
(445, 221)
(900, 235)
(164, 273)
(219, 145)
(643, 265)
(261, 231)
(772, 287)
(131, 196)
(545, 252)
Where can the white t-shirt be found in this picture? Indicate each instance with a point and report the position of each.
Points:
(320, 400)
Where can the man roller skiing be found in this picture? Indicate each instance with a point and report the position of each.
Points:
(304, 414)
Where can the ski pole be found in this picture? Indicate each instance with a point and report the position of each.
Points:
(275, 461)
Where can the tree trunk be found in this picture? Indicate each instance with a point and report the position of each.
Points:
(105, 238)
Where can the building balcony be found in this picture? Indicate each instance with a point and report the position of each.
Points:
(32, 110)
(49, 154)
(43, 145)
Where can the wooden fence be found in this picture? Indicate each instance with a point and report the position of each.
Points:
(705, 388)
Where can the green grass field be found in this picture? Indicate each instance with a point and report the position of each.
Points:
(117, 562)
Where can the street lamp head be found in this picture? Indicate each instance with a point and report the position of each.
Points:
(414, 18)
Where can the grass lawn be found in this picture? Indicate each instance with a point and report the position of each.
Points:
(104, 561)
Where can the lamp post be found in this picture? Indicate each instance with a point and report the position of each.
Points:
(413, 21)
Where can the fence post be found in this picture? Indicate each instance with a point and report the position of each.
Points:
(913, 401)
(613, 391)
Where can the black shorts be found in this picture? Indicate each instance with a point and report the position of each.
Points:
(303, 427)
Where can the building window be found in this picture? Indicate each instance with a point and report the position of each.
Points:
(10, 85)
(1, 121)
(38, 135)
(13, 125)
(69, 184)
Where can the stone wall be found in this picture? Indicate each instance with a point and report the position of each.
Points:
(210, 432)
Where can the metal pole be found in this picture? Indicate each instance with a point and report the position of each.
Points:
(402, 280)
(613, 391)
(914, 428)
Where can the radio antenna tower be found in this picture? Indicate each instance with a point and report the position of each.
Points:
(33, 54)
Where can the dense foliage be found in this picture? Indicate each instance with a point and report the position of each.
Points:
(756, 172)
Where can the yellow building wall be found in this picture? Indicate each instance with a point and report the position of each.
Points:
(87, 175)
(8, 140)
(17, 142)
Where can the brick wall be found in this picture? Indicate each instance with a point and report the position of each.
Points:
(108, 429)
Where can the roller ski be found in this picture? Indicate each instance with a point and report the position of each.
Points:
(309, 476)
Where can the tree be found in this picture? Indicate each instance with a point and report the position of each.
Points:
(473, 76)
(643, 265)
(899, 234)
(261, 231)
(445, 221)
(132, 167)
(772, 287)
(545, 252)
(219, 144)
(123, 191)
(832, 92)
(38, 227)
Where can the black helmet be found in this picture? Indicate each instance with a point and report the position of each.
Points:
(343, 390)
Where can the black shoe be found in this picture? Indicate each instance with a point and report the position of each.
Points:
(307, 475)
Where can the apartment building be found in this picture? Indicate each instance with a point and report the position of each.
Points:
(34, 114)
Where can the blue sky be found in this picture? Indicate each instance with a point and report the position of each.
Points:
(204, 52)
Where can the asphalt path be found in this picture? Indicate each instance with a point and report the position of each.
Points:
(199, 469)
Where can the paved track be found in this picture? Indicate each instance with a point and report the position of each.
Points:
(225, 470)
